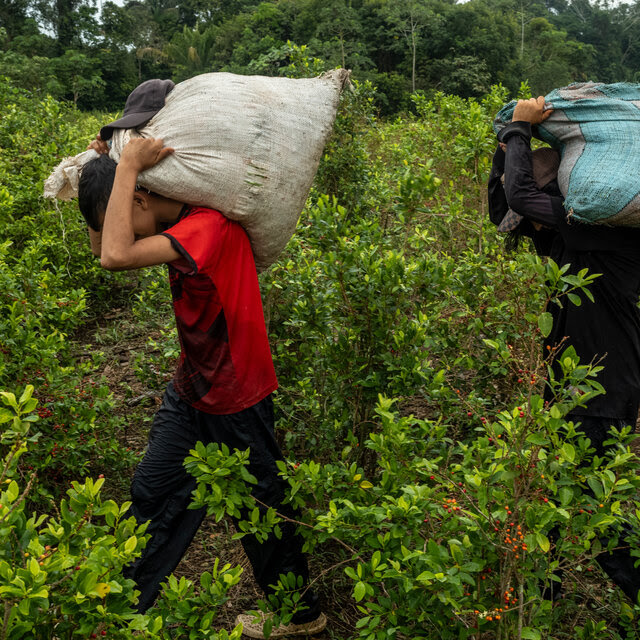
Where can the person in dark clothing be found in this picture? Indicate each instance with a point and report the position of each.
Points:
(605, 330)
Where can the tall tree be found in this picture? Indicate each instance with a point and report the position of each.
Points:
(13, 16)
(76, 73)
(338, 22)
(478, 38)
(552, 59)
(409, 18)
(628, 18)
(190, 52)
(72, 21)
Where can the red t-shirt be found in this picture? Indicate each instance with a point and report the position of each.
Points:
(225, 363)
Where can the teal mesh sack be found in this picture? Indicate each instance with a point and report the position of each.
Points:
(596, 129)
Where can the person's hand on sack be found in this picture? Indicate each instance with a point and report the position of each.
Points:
(143, 153)
(531, 110)
(98, 145)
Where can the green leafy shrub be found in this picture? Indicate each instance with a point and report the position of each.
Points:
(61, 576)
(451, 536)
(46, 271)
(406, 344)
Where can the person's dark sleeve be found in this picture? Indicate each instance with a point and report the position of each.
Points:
(543, 240)
(521, 191)
(498, 206)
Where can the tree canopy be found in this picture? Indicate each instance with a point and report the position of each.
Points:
(95, 56)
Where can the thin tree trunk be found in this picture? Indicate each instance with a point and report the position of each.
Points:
(413, 62)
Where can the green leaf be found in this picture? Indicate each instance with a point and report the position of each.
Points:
(545, 323)
(537, 438)
(543, 543)
(26, 394)
(596, 486)
(13, 491)
(575, 299)
(359, 591)
(23, 607)
(9, 399)
(456, 552)
(130, 544)
(29, 405)
(425, 576)
(267, 627)
(34, 568)
(565, 495)
(492, 343)
(568, 451)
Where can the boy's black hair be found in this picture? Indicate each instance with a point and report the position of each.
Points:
(94, 189)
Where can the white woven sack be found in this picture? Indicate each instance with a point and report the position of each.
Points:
(63, 182)
(248, 146)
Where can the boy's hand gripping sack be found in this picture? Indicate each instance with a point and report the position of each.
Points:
(248, 146)
(596, 129)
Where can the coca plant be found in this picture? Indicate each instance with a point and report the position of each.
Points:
(61, 575)
(456, 532)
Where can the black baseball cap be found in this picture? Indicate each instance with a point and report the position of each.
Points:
(142, 104)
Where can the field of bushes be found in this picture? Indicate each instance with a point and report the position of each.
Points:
(428, 470)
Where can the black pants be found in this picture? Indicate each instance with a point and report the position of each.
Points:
(161, 492)
(619, 564)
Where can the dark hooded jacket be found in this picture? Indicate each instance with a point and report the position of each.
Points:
(607, 329)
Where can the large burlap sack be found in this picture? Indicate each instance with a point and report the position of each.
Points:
(248, 146)
(596, 128)
(63, 182)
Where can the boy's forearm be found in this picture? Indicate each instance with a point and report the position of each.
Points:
(120, 248)
(117, 232)
(95, 240)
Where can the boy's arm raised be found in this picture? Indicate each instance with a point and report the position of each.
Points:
(120, 249)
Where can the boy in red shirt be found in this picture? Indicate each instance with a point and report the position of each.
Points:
(222, 389)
